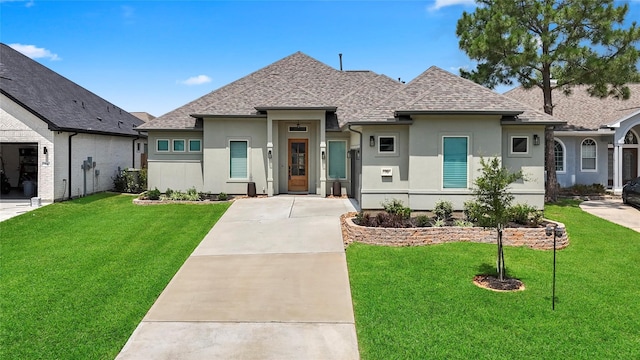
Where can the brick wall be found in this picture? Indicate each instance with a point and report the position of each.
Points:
(534, 238)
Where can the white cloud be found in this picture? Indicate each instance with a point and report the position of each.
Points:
(439, 4)
(196, 80)
(35, 52)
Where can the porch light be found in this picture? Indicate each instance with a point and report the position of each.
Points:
(269, 154)
(45, 151)
(323, 155)
(372, 141)
(536, 139)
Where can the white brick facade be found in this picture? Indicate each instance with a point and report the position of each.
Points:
(109, 153)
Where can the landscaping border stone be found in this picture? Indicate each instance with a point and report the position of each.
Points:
(534, 238)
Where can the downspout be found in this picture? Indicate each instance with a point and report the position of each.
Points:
(133, 153)
(70, 152)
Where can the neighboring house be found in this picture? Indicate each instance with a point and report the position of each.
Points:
(599, 144)
(57, 139)
(299, 126)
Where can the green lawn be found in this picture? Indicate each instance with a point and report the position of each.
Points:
(77, 277)
(420, 302)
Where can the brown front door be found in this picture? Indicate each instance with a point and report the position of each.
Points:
(629, 164)
(298, 165)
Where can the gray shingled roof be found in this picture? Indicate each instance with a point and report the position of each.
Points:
(580, 110)
(301, 81)
(63, 104)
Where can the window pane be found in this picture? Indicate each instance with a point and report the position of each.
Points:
(558, 153)
(386, 144)
(178, 145)
(588, 150)
(455, 162)
(238, 159)
(163, 145)
(337, 159)
(519, 144)
(194, 145)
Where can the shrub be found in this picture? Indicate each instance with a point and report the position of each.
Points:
(382, 219)
(583, 190)
(168, 193)
(153, 194)
(126, 181)
(525, 215)
(192, 194)
(439, 223)
(422, 221)
(396, 207)
(443, 209)
(463, 223)
(474, 213)
(223, 196)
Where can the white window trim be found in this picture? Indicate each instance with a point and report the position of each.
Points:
(564, 156)
(173, 146)
(514, 153)
(189, 146)
(345, 163)
(469, 160)
(395, 145)
(582, 169)
(168, 145)
(229, 178)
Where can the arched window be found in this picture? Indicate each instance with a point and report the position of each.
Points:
(558, 154)
(588, 153)
(630, 138)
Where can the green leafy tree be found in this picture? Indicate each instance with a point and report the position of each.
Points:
(534, 41)
(492, 196)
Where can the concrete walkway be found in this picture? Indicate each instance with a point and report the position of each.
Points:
(13, 207)
(615, 211)
(269, 281)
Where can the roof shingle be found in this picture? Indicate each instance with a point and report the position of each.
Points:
(579, 109)
(63, 104)
(301, 81)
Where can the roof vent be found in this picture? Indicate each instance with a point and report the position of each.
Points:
(99, 118)
(340, 56)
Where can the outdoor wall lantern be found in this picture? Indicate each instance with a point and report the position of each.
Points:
(45, 151)
(323, 155)
(556, 231)
(372, 141)
(269, 154)
(536, 139)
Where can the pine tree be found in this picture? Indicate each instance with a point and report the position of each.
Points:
(532, 42)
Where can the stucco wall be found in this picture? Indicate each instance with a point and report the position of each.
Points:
(216, 135)
(530, 190)
(573, 174)
(174, 170)
(377, 187)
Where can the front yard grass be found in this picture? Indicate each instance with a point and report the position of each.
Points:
(420, 302)
(77, 277)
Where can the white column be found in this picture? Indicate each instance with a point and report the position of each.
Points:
(270, 155)
(617, 168)
(323, 162)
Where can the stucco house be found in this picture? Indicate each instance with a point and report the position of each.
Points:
(599, 144)
(57, 139)
(299, 126)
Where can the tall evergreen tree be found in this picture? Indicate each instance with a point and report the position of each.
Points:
(532, 42)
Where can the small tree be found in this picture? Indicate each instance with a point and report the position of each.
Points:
(492, 196)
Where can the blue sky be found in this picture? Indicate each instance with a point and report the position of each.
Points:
(155, 56)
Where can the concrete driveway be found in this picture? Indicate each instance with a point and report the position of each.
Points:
(269, 281)
(13, 207)
(615, 211)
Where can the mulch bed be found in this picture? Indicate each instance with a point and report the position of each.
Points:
(493, 283)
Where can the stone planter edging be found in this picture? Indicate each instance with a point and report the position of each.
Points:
(534, 238)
